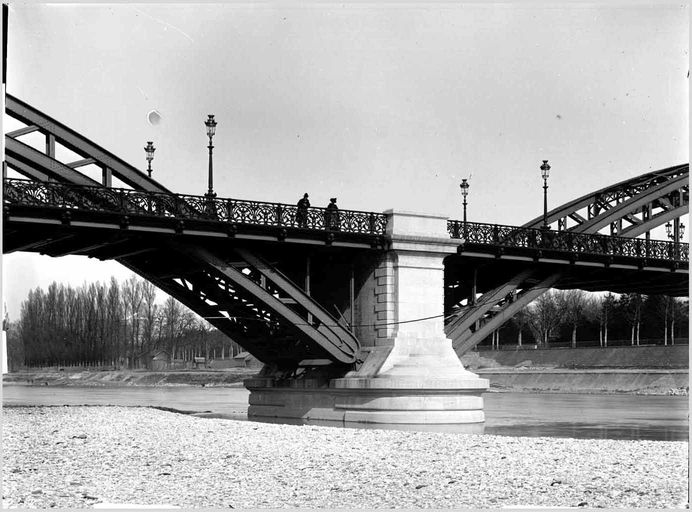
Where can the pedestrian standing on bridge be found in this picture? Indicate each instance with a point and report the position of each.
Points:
(331, 215)
(302, 213)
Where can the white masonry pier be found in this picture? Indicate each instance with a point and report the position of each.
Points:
(410, 373)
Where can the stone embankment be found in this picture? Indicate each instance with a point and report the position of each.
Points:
(646, 370)
(670, 357)
(232, 377)
(544, 380)
(78, 457)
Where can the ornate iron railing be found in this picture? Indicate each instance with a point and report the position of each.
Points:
(566, 241)
(184, 207)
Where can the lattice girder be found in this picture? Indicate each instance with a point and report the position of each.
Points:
(56, 132)
(596, 204)
(634, 206)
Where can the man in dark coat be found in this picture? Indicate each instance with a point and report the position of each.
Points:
(331, 215)
(302, 213)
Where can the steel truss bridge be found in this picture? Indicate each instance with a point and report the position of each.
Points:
(264, 278)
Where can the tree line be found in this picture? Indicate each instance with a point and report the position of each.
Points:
(571, 317)
(120, 324)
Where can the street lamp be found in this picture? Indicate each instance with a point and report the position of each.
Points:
(676, 230)
(545, 172)
(464, 186)
(211, 130)
(149, 150)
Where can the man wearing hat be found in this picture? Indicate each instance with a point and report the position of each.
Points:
(302, 212)
(331, 216)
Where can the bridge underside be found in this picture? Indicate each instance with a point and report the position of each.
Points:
(617, 276)
(234, 283)
(506, 287)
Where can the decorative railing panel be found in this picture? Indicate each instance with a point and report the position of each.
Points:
(184, 207)
(566, 241)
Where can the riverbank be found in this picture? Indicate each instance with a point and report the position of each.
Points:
(232, 377)
(663, 357)
(502, 379)
(76, 457)
(551, 380)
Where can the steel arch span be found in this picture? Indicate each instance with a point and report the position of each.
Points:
(629, 208)
(156, 234)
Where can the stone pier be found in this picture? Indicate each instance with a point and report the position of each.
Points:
(408, 372)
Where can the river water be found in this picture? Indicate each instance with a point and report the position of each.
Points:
(513, 414)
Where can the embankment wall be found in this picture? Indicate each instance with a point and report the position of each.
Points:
(660, 357)
(648, 382)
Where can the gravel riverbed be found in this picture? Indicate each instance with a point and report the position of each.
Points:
(75, 457)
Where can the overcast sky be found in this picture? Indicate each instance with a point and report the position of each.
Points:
(383, 105)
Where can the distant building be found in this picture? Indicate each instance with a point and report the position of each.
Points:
(247, 360)
(159, 360)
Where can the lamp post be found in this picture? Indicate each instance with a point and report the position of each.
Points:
(678, 229)
(545, 172)
(149, 150)
(211, 130)
(464, 186)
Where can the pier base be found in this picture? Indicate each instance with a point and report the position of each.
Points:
(368, 400)
(414, 390)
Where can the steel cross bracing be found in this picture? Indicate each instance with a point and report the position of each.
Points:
(632, 207)
(73, 213)
(257, 306)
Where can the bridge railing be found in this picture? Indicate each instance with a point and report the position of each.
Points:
(566, 241)
(186, 207)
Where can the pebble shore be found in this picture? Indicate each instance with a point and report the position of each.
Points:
(76, 457)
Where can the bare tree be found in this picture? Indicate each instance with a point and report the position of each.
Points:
(632, 307)
(114, 320)
(521, 320)
(678, 310)
(176, 320)
(664, 307)
(604, 312)
(545, 316)
(573, 304)
(149, 315)
(132, 303)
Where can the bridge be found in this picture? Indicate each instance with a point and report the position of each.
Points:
(359, 317)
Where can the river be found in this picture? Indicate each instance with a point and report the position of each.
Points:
(574, 415)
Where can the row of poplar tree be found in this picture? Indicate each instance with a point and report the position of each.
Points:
(122, 324)
(119, 324)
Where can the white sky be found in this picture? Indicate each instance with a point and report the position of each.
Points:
(383, 105)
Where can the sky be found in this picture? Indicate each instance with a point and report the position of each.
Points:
(384, 105)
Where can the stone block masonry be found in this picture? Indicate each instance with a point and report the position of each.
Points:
(385, 310)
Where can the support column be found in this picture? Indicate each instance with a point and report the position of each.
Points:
(409, 373)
